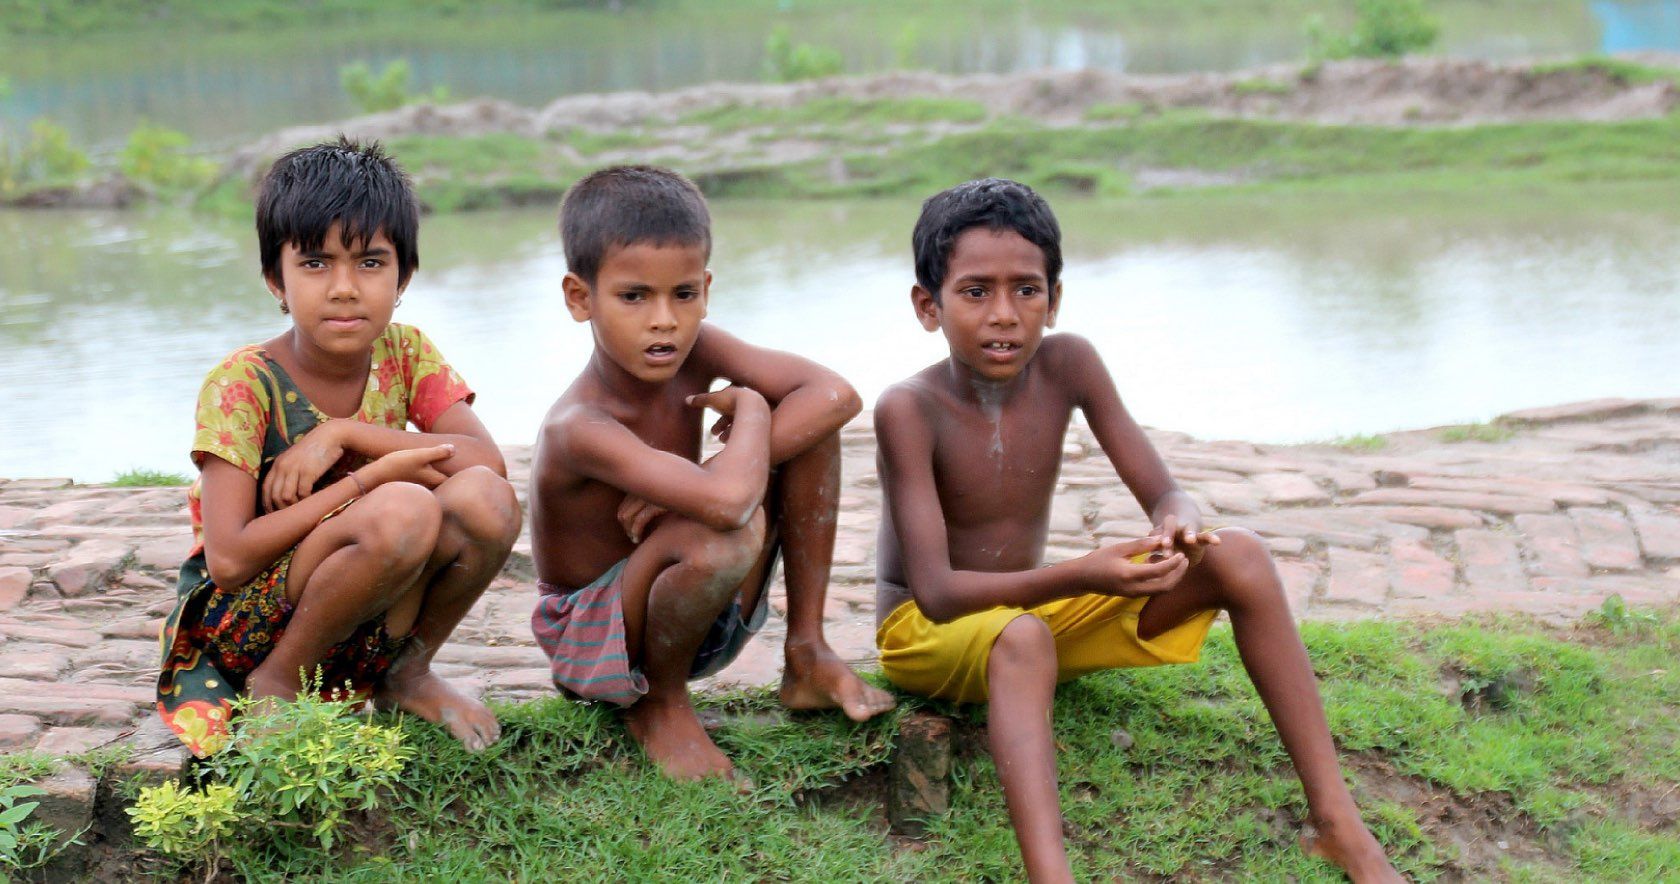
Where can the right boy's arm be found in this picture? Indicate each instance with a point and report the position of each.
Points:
(905, 438)
(238, 545)
(722, 493)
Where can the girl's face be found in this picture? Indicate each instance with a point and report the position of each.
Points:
(340, 296)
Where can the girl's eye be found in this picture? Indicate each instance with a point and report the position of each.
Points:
(314, 263)
(372, 264)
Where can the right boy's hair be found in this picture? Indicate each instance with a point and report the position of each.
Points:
(358, 186)
(993, 203)
(622, 205)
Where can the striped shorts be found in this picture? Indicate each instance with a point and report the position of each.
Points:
(582, 632)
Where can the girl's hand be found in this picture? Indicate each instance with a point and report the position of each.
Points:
(293, 474)
(409, 465)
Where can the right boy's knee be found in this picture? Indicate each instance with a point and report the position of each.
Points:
(400, 521)
(1026, 639)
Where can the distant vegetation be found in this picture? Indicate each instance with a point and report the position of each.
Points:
(386, 90)
(148, 479)
(786, 61)
(1382, 29)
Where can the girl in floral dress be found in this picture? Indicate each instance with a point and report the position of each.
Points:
(332, 544)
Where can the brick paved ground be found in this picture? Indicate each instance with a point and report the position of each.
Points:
(1581, 503)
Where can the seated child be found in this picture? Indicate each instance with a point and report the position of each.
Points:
(970, 448)
(654, 567)
(328, 535)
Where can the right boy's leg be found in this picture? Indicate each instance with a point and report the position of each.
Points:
(349, 570)
(674, 586)
(1021, 673)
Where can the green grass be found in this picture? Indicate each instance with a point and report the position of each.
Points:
(149, 479)
(841, 112)
(1361, 442)
(1622, 71)
(1202, 791)
(1478, 432)
(1261, 86)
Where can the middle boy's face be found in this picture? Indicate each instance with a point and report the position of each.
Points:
(645, 307)
(995, 302)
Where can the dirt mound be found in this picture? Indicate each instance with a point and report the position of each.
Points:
(1416, 91)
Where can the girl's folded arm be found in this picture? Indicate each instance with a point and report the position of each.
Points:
(238, 544)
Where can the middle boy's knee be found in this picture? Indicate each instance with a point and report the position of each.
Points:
(726, 556)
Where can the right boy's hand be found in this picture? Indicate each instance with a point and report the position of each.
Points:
(1113, 571)
(408, 465)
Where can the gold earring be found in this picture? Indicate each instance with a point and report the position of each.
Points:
(284, 309)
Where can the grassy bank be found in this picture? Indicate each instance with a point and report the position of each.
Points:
(1493, 750)
(889, 156)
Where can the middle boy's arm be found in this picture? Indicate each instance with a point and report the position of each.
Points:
(722, 493)
(809, 402)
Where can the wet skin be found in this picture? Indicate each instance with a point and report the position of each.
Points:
(616, 475)
(969, 453)
(434, 526)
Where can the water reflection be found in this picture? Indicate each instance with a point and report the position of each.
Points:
(1238, 316)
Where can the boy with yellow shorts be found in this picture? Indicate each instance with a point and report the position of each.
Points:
(970, 448)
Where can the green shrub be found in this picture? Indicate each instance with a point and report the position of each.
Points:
(157, 156)
(46, 157)
(23, 844)
(285, 783)
(1382, 29)
(149, 478)
(386, 90)
(786, 61)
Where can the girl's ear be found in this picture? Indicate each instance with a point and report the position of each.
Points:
(275, 289)
(1055, 304)
(577, 296)
(926, 307)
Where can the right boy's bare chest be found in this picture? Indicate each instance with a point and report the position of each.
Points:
(987, 468)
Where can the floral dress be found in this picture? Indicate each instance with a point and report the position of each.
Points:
(249, 412)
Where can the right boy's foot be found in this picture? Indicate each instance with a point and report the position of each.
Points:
(671, 735)
(1353, 848)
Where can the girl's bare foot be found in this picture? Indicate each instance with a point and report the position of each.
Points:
(427, 695)
(1352, 847)
(816, 678)
(671, 735)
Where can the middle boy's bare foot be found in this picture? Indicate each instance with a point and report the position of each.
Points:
(816, 678)
(672, 737)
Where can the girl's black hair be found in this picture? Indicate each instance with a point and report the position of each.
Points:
(355, 185)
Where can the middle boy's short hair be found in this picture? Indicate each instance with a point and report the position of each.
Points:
(622, 205)
(993, 203)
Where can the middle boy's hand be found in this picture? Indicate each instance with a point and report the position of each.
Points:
(1130, 569)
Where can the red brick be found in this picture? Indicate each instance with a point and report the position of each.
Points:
(1555, 545)
(1291, 489)
(75, 638)
(14, 586)
(18, 730)
(1418, 571)
(1593, 410)
(1503, 504)
(1232, 497)
(1431, 517)
(1492, 561)
(1607, 540)
(1299, 581)
(72, 710)
(21, 660)
(1357, 577)
(75, 740)
(1659, 534)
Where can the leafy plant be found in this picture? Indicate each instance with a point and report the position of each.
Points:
(1382, 29)
(1477, 432)
(386, 90)
(46, 157)
(786, 61)
(23, 844)
(157, 156)
(286, 782)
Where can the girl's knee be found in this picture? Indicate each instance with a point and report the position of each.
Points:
(399, 521)
(483, 504)
(726, 555)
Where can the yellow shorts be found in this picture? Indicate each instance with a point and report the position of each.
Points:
(947, 661)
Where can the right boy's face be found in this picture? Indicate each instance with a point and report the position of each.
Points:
(995, 303)
(645, 307)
